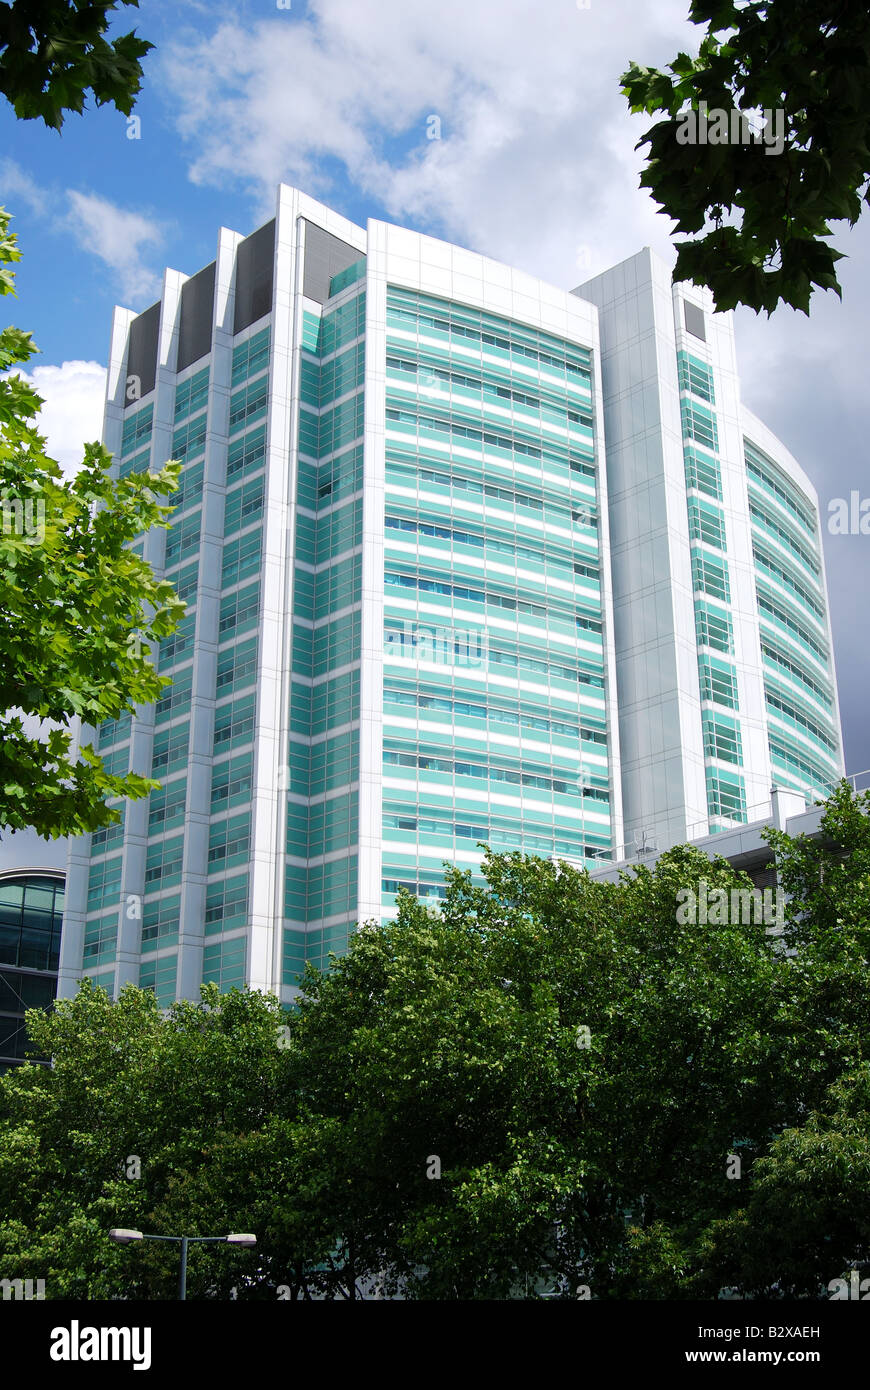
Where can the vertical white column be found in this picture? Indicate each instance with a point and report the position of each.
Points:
(194, 878)
(79, 852)
(268, 813)
(142, 737)
(371, 712)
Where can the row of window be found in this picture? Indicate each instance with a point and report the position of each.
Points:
(495, 771)
(554, 409)
(313, 709)
(800, 765)
(511, 445)
(232, 782)
(137, 428)
(319, 539)
(769, 608)
(792, 715)
(769, 566)
(248, 404)
(764, 471)
(321, 891)
(491, 598)
(546, 505)
(726, 795)
(332, 482)
(495, 714)
(722, 738)
(494, 830)
(428, 315)
(557, 557)
(444, 644)
(762, 517)
(797, 672)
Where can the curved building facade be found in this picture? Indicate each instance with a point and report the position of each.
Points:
(725, 676)
(797, 656)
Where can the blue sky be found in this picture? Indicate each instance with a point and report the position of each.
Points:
(535, 166)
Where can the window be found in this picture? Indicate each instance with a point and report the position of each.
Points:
(223, 962)
(166, 807)
(726, 795)
(694, 320)
(159, 975)
(699, 424)
(237, 667)
(181, 539)
(160, 919)
(163, 863)
(713, 628)
(234, 723)
(229, 842)
(231, 782)
(706, 524)
(703, 473)
(695, 376)
(246, 454)
(722, 738)
(239, 611)
(170, 751)
(31, 911)
(226, 905)
(192, 394)
(710, 576)
(718, 682)
(251, 356)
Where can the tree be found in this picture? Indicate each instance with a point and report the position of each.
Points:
(764, 206)
(52, 52)
(78, 608)
(504, 1091)
(553, 1086)
(133, 1125)
(806, 1224)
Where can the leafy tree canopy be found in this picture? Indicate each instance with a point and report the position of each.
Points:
(758, 216)
(77, 608)
(553, 1086)
(53, 52)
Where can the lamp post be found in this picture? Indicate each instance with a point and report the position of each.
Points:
(125, 1237)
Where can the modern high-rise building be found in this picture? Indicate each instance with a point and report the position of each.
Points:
(467, 558)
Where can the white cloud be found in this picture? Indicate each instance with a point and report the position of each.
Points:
(120, 239)
(536, 157)
(72, 415)
(15, 183)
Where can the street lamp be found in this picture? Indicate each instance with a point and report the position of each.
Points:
(125, 1237)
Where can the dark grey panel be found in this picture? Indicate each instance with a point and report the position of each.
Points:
(142, 350)
(325, 256)
(255, 260)
(695, 320)
(197, 312)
